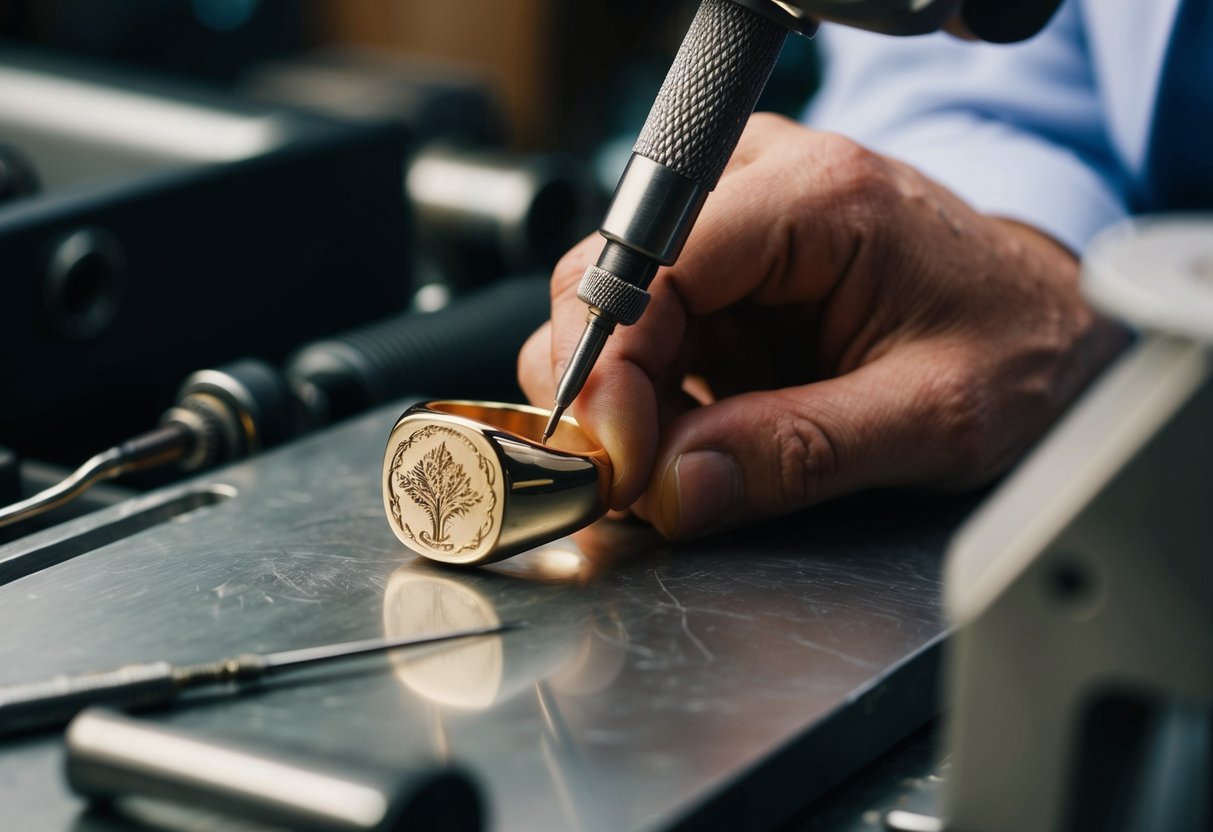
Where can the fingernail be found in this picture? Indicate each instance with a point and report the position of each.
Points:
(700, 492)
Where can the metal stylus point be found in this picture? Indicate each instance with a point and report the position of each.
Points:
(597, 329)
(553, 420)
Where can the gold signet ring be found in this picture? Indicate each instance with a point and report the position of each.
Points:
(471, 482)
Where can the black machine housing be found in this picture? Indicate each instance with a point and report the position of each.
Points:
(119, 278)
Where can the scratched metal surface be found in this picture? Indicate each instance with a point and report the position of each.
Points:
(729, 681)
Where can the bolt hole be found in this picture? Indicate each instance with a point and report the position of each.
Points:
(83, 287)
(84, 284)
(1072, 585)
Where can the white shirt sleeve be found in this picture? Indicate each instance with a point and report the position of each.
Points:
(1017, 131)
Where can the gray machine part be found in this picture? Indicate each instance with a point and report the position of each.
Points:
(1082, 667)
(112, 758)
(482, 213)
(111, 294)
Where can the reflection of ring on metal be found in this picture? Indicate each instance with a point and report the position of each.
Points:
(470, 482)
(472, 676)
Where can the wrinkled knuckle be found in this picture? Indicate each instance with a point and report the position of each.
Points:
(763, 123)
(806, 462)
(860, 175)
(961, 411)
(762, 131)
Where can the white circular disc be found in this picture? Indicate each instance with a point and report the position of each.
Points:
(1155, 273)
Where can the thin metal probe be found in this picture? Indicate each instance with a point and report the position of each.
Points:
(348, 649)
(165, 444)
(598, 327)
(50, 702)
(553, 420)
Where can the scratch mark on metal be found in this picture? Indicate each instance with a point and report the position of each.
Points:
(627, 646)
(725, 613)
(682, 611)
(309, 596)
(846, 657)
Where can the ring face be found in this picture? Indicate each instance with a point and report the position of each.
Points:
(443, 491)
(471, 482)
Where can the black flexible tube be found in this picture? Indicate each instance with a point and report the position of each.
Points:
(466, 350)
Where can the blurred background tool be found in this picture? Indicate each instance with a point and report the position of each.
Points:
(482, 213)
(33, 705)
(122, 761)
(466, 349)
(482, 209)
(229, 229)
(176, 228)
(150, 226)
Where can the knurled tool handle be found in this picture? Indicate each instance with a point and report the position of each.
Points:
(51, 702)
(711, 89)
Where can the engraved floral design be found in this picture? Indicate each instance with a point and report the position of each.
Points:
(442, 488)
(487, 505)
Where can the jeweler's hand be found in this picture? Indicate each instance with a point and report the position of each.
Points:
(836, 322)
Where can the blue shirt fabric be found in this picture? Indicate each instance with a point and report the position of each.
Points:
(1056, 132)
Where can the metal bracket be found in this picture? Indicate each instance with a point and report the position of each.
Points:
(1081, 588)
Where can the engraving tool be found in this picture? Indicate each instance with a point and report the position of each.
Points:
(711, 89)
(51, 702)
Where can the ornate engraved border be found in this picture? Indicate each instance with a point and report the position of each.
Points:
(490, 474)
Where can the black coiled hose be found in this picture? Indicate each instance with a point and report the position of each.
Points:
(466, 350)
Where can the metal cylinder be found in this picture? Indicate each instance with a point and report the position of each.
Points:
(711, 89)
(483, 213)
(653, 210)
(694, 125)
(112, 756)
(244, 406)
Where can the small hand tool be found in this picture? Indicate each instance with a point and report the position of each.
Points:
(696, 120)
(52, 702)
(230, 412)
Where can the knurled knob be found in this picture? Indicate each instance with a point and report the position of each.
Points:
(613, 295)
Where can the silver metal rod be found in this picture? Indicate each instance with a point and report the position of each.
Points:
(165, 444)
(103, 466)
(677, 160)
(329, 652)
(593, 339)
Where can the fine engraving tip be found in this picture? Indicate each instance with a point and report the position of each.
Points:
(553, 421)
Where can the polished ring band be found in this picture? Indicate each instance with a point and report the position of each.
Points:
(471, 482)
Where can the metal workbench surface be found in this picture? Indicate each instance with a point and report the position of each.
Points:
(725, 682)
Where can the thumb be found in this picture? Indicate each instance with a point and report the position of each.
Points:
(766, 453)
